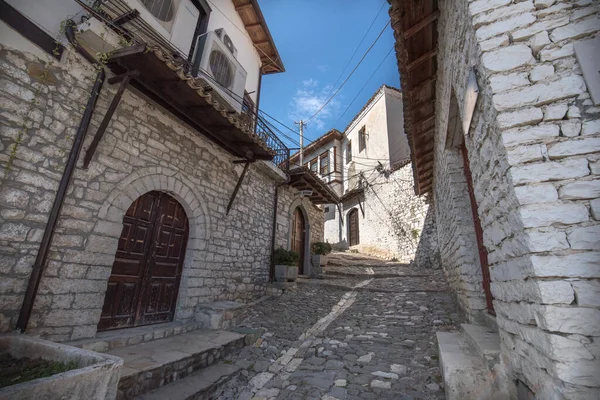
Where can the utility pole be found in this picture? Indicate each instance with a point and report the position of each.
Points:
(301, 124)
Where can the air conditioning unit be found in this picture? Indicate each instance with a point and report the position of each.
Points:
(215, 62)
(174, 20)
(226, 39)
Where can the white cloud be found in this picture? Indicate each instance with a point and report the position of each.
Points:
(323, 68)
(309, 98)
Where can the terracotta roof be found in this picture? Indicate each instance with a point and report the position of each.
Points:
(152, 57)
(326, 138)
(256, 26)
(303, 178)
(415, 30)
(379, 90)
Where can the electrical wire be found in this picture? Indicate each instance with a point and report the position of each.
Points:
(357, 47)
(363, 87)
(351, 73)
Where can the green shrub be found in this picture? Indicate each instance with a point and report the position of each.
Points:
(321, 248)
(282, 256)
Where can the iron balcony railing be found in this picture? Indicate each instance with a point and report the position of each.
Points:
(126, 22)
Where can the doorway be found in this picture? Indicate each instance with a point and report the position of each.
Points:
(144, 282)
(353, 234)
(299, 237)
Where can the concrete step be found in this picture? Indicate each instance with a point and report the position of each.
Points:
(485, 342)
(151, 365)
(221, 314)
(466, 375)
(199, 385)
(106, 341)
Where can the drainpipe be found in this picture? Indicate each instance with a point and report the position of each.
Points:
(42, 255)
(275, 201)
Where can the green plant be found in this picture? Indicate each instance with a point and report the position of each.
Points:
(285, 257)
(415, 233)
(321, 248)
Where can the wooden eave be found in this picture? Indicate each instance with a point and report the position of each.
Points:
(333, 134)
(352, 193)
(256, 26)
(164, 80)
(303, 178)
(415, 30)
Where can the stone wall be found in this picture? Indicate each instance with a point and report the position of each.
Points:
(289, 199)
(396, 223)
(143, 149)
(533, 151)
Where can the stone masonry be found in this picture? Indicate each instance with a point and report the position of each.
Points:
(143, 149)
(534, 148)
(396, 224)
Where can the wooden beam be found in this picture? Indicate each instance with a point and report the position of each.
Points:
(126, 17)
(427, 120)
(421, 24)
(109, 113)
(127, 51)
(425, 57)
(252, 26)
(421, 86)
(237, 187)
(243, 6)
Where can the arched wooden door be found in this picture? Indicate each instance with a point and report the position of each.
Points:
(298, 234)
(144, 282)
(353, 234)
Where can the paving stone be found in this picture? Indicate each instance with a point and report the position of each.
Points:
(382, 346)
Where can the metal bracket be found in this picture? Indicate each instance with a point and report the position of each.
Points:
(124, 79)
(239, 183)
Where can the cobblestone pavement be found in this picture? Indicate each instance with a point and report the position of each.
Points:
(347, 337)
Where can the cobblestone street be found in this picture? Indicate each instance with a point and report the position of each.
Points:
(367, 331)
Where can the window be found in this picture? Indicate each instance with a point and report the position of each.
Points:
(161, 9)
(327, 209)
(362, 139)
(325, 163)
(349, 152)
(314, 165)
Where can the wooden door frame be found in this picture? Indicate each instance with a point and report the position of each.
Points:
(353, 211)
(142, 291)
(481, 249)
(307, 231)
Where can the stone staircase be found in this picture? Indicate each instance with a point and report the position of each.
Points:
(177, 360)
(470, 364)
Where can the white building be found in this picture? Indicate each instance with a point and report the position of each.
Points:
(368, 166)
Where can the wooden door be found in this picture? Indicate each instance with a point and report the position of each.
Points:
(144, 281)
(298, 233)
(483, 256)
(353, 238)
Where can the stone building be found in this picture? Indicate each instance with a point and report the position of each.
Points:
(178, 204)
(501, 112)
(367, 167)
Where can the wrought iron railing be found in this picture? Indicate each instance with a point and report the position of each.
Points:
(119, 17)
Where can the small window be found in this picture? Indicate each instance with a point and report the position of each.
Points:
(161, 9)
(313, 166)
(325, 163)
(349, 152)
(326, 209)
(362, 139)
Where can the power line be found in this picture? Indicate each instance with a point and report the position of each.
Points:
(357, 47)
(363, 87)
(351, 73)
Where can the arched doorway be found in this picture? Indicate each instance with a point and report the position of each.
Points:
(298, 237)
(144, 282)
(353, 234)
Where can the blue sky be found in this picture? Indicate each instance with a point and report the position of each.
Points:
(315, 39)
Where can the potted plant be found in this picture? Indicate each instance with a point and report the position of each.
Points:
(286, 268)
(320, 251)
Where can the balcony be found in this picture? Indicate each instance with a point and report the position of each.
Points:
(163, 74)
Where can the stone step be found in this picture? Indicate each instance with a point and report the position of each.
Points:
(220, 314)
(106, 341)
(466, 376)
(199, 385)
(484, 341)
(151, 365)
